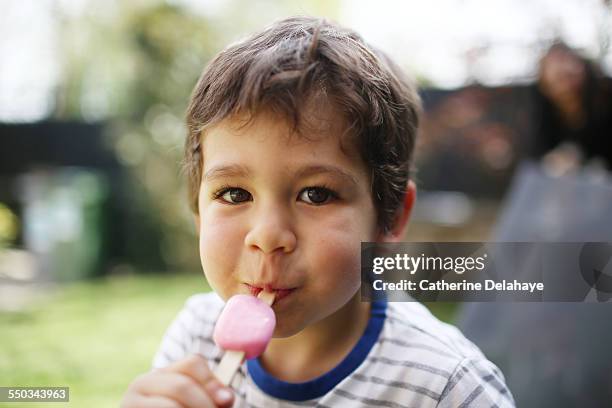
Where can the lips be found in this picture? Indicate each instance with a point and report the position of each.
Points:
(278, 292)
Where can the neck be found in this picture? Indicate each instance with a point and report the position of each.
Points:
(318, 348)
(572, 113)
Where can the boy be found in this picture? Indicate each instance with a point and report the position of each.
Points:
(299, 148)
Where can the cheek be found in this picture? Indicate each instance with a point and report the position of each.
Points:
(338, 253)
(219, 244)
(338, 250)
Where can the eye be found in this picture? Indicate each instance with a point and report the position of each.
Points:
(317, 195)
(233, 195)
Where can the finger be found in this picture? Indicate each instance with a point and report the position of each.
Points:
(196, 367)
(143, 401)
(222, 395)
(173, 385)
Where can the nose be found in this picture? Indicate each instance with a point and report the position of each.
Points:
(272, 231)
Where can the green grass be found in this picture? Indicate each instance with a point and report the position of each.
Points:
(93, 337)
(445, 311)
(96, 336)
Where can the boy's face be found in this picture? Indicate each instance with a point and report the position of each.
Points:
(284, 213)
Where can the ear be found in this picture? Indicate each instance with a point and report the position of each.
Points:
(401, 221)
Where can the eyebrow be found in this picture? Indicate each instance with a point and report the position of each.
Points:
(232, 170)
(325, 169)
(237, 170)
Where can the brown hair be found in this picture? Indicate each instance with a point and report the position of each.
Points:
(291, 61)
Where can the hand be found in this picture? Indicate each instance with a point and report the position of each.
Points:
(562, 160)
(188, 383)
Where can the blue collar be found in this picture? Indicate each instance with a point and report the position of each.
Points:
(321, 385)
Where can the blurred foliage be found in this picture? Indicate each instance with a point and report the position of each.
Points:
(8, 226)
(133, 65)
(94, 337)
(445, 311)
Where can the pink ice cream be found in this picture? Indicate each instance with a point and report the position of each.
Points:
(246, 324)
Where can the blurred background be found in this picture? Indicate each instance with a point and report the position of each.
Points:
(97, 245)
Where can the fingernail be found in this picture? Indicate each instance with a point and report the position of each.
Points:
(223, 395)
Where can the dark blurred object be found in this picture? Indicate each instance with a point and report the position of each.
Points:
(79, 213)
(472, 138)
(53, 144)
(552, 354)
(572, 105)
(45, 146)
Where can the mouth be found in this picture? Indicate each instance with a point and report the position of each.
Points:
(279, 293)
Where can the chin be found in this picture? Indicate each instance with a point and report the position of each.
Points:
(283, 331)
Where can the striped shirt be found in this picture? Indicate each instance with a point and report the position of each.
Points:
(405, 358)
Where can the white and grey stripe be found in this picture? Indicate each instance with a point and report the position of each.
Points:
(417, 361)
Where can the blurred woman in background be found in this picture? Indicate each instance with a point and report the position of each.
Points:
(573, 125)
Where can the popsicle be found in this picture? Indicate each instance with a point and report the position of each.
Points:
(244, 329)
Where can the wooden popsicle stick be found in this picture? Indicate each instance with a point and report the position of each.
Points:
(228, 366)
(232, 359)
(267, 297)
